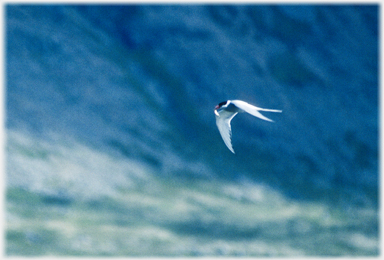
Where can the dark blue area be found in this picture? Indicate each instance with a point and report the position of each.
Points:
(143, 80)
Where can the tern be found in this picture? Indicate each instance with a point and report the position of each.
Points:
(227, 110)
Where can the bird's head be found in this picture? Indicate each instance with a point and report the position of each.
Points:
(220, 105)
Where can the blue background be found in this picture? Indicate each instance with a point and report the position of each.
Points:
(112, 146)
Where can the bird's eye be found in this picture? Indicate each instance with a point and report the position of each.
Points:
(222, 104)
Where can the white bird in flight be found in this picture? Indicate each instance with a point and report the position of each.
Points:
(226, 110)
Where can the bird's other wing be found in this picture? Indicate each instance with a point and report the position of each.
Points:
(223, 122)
(253, 110)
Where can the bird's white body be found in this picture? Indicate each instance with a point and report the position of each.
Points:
(225, 111)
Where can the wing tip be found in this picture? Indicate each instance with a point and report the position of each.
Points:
(229, 146)
(231, 149)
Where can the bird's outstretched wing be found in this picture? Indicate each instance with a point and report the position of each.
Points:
(253, 110)
(223, 122)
